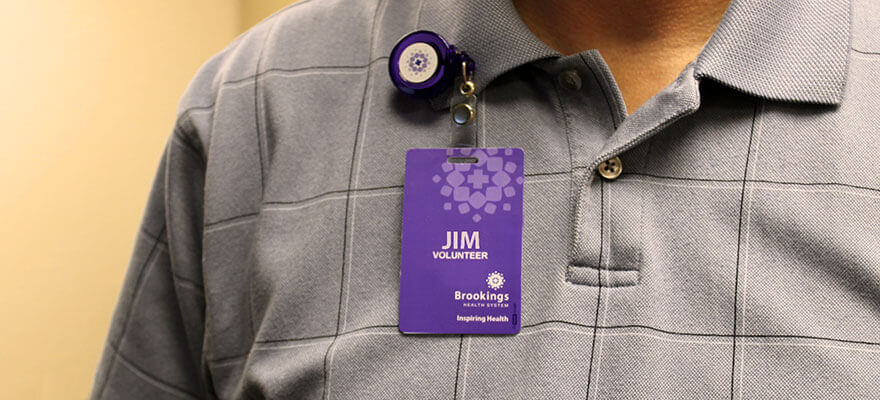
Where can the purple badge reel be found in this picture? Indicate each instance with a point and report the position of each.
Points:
(423, 65)
(461, 250)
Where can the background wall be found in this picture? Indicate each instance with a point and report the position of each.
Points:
(88, 100)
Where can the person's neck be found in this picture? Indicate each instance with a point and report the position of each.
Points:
(646, 43)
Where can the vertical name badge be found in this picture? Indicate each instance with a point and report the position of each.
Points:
(461, 249)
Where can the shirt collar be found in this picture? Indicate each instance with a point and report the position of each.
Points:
(786, 50)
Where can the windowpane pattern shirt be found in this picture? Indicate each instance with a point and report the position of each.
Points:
(736, 256)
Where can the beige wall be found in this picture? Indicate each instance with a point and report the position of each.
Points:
(253, 11)
(88, 99)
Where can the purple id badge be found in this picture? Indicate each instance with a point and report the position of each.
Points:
(461, 249)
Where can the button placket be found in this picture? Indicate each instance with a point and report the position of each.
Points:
(590, 245)
(588, 126)
(619, 203)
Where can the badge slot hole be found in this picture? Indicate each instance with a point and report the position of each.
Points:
(463, 160)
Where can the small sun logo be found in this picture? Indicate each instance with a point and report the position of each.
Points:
(418, 62)
(495, 280)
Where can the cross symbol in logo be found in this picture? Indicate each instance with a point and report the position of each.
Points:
(477, 179)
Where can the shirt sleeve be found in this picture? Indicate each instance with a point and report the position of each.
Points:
(154, 349)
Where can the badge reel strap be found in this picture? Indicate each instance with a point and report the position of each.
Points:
(463, 106)
(424, 65)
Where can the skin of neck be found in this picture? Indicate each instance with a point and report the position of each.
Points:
(646, 43)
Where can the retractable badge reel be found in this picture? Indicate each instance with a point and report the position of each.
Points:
(461, 237)
(424, 65)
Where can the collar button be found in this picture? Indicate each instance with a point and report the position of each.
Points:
(570, 80)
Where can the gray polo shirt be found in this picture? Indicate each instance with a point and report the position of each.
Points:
(736, 256)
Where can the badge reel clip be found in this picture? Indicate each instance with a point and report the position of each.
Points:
(424, 65)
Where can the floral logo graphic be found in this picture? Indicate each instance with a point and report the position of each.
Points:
(482, 187)
(418, 62)
(495, 280)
